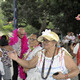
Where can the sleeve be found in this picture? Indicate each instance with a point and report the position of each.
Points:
(76, 49)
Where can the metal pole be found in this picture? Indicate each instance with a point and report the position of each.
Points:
(15, 13)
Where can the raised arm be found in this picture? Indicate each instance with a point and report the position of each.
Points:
(24, 63)
(72, 50)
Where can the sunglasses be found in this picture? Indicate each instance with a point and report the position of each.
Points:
(45, 40)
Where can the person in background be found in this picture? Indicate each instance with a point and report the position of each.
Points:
(1, 66)
(76, 51)
(52, 63)
(68, 41)
(35, 46)
(19, 43)
(68, 37)
(73, 37)
(5, 48)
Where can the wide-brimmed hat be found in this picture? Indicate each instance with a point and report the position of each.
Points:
(49, 35)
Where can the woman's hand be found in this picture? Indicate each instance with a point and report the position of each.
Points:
(13, 55)
(25, 70)
(59, 76)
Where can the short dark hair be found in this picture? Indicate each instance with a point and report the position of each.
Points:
(4, 40)
(37, 34)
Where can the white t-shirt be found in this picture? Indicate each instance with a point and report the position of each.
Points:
(32, 71)
(68, 38)
(73, 38)
(76, 48)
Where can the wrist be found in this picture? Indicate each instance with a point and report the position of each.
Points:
(17, 59)
(66, 76)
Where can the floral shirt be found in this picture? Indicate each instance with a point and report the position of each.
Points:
(5, 59)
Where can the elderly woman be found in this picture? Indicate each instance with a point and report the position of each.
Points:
(52, 63)
(35, 46)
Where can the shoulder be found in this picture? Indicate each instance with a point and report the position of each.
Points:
(10, 48)
(77, 44)
(63, 51)
(38, 48)
(76, 47)
(40, 52)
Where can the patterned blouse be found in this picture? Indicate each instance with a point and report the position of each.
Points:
(5, 59)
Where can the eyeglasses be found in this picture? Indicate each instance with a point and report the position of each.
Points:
(45, 40)
(32, 39)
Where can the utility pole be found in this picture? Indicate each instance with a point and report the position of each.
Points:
(15, 13)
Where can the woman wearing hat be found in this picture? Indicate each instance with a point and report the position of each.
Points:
(52, 63)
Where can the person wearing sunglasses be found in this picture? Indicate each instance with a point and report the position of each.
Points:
(52, 62)
(19, 43)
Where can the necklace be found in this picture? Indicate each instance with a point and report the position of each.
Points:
(43, 66)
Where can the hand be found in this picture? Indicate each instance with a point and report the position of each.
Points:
(59, 76)
(25, 70)
(13, 55)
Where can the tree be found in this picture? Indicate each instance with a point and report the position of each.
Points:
(39, 13)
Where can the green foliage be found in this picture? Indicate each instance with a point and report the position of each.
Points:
(50, 26)
(2, 20)
(1, 23)
(7, 28)
(7, 8)
(29, 29)
(56, 13)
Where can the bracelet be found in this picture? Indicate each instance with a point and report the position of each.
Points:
(66, 76)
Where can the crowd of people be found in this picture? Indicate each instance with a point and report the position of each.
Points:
(39, 57)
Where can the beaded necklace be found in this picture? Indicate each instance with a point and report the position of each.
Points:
(43, 66)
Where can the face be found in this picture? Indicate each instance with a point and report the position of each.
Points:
(69, 33)
(21, 33)
(33, 40)
(48, 44)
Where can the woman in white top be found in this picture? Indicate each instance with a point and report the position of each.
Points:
(34, 47)
(50, 60)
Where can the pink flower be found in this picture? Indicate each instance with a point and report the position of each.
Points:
(78, 17)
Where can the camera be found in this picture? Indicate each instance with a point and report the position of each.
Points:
(56, 73)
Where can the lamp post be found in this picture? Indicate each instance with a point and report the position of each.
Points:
(15, 13)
